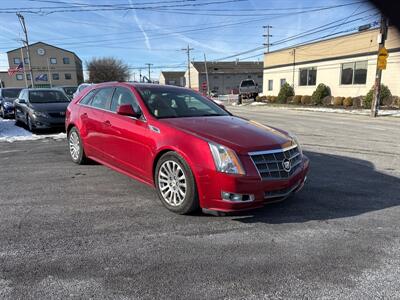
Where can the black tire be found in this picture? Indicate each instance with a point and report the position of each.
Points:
(190, 202)
(240, 99)
(80, 157)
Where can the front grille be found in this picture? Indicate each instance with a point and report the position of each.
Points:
(270, 164)
(57, 114)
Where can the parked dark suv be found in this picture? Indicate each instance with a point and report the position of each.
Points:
(41, 108)
(7, 97)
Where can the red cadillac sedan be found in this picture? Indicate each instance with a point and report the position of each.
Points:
(193, 151)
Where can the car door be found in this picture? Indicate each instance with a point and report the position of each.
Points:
(91, 113)
(127, 138)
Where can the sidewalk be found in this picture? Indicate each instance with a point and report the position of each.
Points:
(362, 111)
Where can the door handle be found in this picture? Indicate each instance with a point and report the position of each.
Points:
(107, 123)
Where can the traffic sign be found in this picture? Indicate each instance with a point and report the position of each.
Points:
(382, 58)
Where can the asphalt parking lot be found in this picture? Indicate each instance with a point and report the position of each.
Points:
(89, 232)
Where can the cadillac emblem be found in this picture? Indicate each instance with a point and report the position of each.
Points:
(287, 166)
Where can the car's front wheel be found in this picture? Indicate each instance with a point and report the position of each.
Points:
(175, 184)
(75, 147)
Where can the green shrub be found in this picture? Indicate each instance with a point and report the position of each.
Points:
(347, 102)
(320, 93)
(306, 100)
(338, 101)
(285, 92)
(385, 93)
(297, 99)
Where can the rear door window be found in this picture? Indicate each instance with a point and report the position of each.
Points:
(86, 100)
(102, 99)
(123, 96)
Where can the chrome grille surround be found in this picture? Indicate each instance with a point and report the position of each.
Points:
(270, 164)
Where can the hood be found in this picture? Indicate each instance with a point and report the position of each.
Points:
(50, 107)
(239, 134)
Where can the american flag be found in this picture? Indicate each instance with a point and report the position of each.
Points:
(12, 71)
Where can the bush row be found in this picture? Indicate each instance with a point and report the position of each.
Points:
(322, 96)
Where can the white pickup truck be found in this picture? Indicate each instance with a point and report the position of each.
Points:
(248, 89)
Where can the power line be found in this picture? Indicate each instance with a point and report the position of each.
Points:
(297, 36)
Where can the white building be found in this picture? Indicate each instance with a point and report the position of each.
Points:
(347, 64)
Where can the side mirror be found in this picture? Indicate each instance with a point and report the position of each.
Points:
(127, 110)
(21, 101)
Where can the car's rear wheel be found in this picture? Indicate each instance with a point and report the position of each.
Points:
(76, 147)
(175, 184)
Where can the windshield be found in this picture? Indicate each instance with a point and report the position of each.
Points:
(247, 83)
(11, 93)
(178, 103)
(70, 90)
(47, 97)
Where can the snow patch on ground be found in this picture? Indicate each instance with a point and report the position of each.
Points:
(9, 132)
(258, 103)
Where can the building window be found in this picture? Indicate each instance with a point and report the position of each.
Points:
(283, 81)
(56, 76)
(28, 76)
(67, 76)
(53, 60)
(20, 77)
(354, 73)
(308, 76)
(66, 60)
(270, 85)
(17, 60)
(26, 61)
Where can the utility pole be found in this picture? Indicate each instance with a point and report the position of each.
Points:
(26, 41)
(188, 49)
(149, 66)
(380, 65)
(267, 36)
(205, 66)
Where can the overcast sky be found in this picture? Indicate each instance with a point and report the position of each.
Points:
(156, 35)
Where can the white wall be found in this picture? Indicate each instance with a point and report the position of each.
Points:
(329, 72)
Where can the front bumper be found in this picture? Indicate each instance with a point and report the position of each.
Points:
(263, 191)
(47, 123)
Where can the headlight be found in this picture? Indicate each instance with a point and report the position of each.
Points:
(296, 141)
(226, 160)
(39, 114)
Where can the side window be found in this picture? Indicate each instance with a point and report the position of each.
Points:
(123, 96)
(102, 98)
(86, 100)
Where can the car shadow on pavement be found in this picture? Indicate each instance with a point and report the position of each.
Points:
(337, 187)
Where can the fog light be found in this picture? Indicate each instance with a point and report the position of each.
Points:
(236, 197)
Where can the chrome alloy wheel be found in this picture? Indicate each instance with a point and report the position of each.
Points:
(172, 183)
(74, 145)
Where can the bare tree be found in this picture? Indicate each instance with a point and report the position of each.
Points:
(107, 69)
